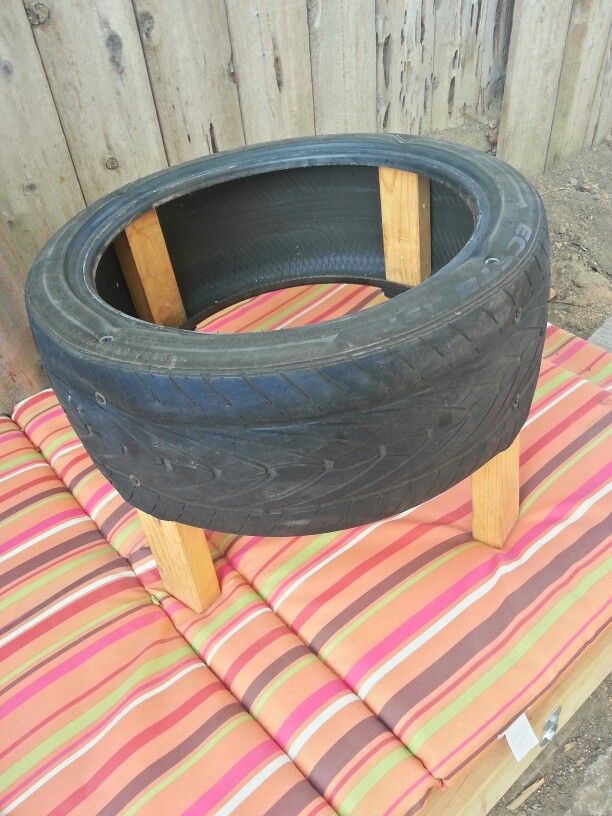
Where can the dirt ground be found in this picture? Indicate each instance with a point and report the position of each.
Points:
(578, 199)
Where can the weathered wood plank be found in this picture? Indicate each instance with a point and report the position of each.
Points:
(600, 115)
(456, 79)
(189, 57)
(343, 58)
(495, 497)
(39, 189)
(495, 41)
(537, 44)
(272, 63)
(94, 62)
(21, 371)
(405, 214)
(404, 56)
(585, 49)
(143, 255)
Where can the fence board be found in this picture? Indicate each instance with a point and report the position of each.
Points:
(404, 45)
(272, 63)
(189, 57)
(584, 53)
(495, 41)
(537, 44)
(343, 58)
(600, 116)
(39, 189)
(94, 62)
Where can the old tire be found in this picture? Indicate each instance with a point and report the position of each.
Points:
(311, 429)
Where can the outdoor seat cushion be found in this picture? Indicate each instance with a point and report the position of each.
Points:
(379, 659)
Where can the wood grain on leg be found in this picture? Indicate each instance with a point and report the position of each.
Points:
(181, 551)
(148, 272)
(495, 497)
(404, 207)
(184, 561)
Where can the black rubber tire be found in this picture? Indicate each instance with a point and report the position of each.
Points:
(312, 429)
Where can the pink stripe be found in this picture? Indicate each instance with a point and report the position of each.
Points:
(522, 691)
(554, 394)
(54, 759)
(42, 526)
(234, 621)
(217, 323)
(6, 437)
(234, 778)
(97, 495)
(47, 415)
(453, 593)
(75, 661)
(571, 348)
(248, 545)
(306, 709)
(310, 307)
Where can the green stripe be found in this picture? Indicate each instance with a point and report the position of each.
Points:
(606, 371)
(563, 469)
(367, 782)
(52, 446)
(391, 596)
(278, 314)
(30, 456)
(31, 508)
(222, 617)
(305, 553)
(545, 388)
(50, 575)
(186, 764)
(60, 738)
(505, 664)
(125, 531)
(73, 636)
(279, 680)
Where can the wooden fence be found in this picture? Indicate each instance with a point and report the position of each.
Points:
(95, 93)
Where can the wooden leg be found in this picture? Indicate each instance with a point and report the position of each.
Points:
(181, 551)
(184, 561)
(495, 497)
(404, 207)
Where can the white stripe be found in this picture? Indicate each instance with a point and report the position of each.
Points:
(317, 302)
(314, 726)
(88, 745)
(80, 593)
(103, 502)
(150, 563)
(482, 590)
(23, 470)
(252, 785)
(292, 587)
(552, 404)
(61, 452)
(31, 541)
(208, 657)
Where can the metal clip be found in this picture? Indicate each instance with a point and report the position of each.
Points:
(550, 726)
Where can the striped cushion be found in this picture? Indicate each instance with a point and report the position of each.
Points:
(445, 640)
(105, 708)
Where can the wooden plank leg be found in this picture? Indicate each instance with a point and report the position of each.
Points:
(181, 551)
(404, 208)
(184, 561)
(495, 497)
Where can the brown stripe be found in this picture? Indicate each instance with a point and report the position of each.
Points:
(48, 556)
(295, 801)
(337, 757)
(50, 600)
(80, 475)
(171, 758)
(563, 455)
(270, 672)
(115, 517)
(55, 655)
(384, 586)
(15, 508)
(438, 672)
(531, 701)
